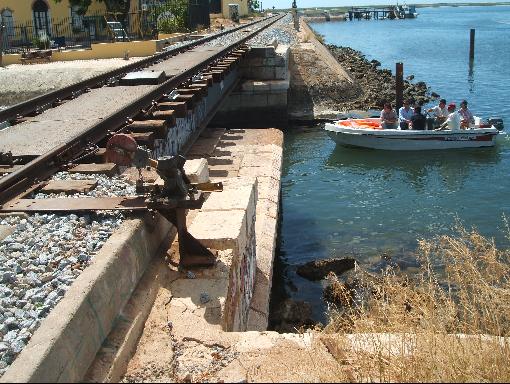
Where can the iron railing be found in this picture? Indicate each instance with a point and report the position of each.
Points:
(78, 31)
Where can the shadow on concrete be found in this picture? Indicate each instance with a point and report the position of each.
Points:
(219, 153)
(234, 137)
(215, 161)
(218, 173)
(223, 144)
(300, 102)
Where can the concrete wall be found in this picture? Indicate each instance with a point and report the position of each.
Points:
(226, 222)
(97, 51)
(109, 50)
(261, 99)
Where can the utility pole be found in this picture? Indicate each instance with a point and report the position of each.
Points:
(295, 15)
(2, 28)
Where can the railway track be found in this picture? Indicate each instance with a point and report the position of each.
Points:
(38, 104)
(46, 252)
(152, 114)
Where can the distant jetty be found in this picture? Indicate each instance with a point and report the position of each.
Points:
(362, 13)
(389, 12)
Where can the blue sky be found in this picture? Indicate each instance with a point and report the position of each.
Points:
(334, 3)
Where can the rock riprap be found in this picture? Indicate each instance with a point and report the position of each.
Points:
(378, 85)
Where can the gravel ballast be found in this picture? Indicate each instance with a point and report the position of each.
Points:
(44, 255)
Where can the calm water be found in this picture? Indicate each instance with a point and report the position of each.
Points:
(341, 201)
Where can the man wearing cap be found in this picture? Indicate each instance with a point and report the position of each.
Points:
(452, 123)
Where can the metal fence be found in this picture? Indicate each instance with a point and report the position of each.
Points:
(54, 34)
(80, 31)
(76, 31)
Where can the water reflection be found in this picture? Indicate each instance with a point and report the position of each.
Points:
(418, 167)
(471, 76)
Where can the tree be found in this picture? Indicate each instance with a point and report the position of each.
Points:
(171, 16)
(112, 6)
(253, 4)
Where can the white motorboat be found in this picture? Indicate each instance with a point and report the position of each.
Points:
(368, 133)
(408, 11)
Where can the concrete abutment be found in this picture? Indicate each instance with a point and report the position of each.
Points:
(109, 305)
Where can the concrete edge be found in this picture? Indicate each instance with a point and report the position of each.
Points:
(266, 233)
(113, 357)
(326, 54)
(67, 341)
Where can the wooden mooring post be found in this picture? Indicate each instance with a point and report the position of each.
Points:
(399, 85)
(472, 44)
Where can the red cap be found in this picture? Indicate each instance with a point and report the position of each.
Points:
(451, 106)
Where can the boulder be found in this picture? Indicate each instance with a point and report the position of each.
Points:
(293, 315)
(319, 269)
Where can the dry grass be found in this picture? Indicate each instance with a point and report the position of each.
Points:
(449, 324)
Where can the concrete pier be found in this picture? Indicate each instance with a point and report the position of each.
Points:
(261, 99)
(240, 225)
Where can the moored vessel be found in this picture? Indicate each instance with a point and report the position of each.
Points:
(368, 133)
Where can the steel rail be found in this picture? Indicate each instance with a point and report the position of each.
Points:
(30, 106)
(43, 165)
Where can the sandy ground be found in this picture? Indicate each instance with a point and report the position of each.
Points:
(22, 82)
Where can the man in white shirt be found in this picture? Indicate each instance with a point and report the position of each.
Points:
(452, 123)
(440, 113)
(404, 114)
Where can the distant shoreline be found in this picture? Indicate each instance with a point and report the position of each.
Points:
(418, 5)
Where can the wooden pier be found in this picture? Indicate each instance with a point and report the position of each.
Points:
(390, 12)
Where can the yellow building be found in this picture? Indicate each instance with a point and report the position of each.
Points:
(23, 19)
(40, 12)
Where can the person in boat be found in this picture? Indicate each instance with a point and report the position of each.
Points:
(440, 113)
(418, 121)
(404, 114)
(466, 117)
(388, 117)
(452, 123)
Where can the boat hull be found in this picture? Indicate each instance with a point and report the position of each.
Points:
(396, 140)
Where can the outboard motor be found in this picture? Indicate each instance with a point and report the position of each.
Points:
(497, 122)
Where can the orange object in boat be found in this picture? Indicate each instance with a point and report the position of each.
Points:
(360, 123)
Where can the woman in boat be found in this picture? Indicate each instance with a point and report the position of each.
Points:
(388, 117)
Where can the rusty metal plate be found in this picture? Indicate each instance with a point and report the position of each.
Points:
(75, 205)
(143, 78)
(137, 203)
(69, 187)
